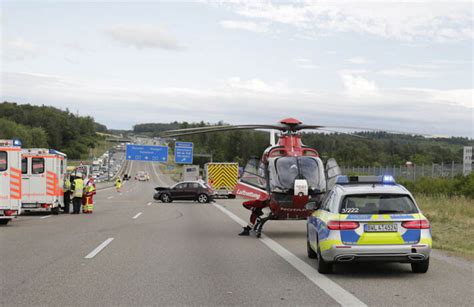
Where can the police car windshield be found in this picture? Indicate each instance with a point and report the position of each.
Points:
(378, 204)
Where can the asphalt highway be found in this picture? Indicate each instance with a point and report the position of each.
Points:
(135, 251)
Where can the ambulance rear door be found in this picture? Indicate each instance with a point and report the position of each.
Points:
(37, 179)
(10, 178)
(25, 174)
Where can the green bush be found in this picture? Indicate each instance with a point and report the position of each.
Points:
(458, 186)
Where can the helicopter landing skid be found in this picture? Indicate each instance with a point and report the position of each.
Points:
(259, 225)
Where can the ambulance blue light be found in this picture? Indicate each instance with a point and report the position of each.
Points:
(388, 179)
(17, 142)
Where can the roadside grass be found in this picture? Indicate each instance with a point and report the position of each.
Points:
(452, 222)
(101, 147)
(171, 169)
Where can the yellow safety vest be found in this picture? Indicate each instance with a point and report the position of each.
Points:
(90, 188)
(67, 185)
(78, 187)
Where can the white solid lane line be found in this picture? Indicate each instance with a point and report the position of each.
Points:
(137, 215)
(149, 204)
(331, 288)
(46, 216)
(99, 248)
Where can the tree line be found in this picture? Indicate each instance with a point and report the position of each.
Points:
(46, 126)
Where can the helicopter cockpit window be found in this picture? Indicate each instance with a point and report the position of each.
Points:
(284, 171)
(287, 171)
(309, 171)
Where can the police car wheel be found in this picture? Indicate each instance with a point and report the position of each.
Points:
(421, 266)
(202, 198)
(311, 253)
(323, 266)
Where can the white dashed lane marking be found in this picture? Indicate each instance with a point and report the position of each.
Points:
(339, 294)
(99, 248)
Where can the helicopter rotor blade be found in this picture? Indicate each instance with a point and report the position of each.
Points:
(255, 126)
(301, 127)
(340, 132)
(220, 129)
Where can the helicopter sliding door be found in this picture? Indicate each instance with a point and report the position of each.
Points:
(332, 171)
(252, 183)
(254, 174)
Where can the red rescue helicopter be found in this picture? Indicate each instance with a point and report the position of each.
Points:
(288, 175)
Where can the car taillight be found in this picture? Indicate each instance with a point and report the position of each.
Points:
(417, 224)
(342, 225)
(9, 212)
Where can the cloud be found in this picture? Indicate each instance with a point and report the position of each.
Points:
(358, 86)
(457, 97)
(257, 27)
(407, 73)
(143, 36)
(305, 63)
(257, 86)
(20, 49)
(121, 104)
(407, 21)
(358, 60)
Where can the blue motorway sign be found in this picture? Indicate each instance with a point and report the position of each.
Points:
(183, 152)
(147, 153)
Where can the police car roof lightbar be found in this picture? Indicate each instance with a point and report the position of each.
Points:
(385, 179)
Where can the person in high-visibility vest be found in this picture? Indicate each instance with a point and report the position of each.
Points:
(89, 192)
(77, 193)
(67, 194)
(118, 184)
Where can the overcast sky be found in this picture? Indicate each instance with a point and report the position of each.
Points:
(382, 64)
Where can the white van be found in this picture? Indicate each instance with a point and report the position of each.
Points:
(10, 180)
(43, 172)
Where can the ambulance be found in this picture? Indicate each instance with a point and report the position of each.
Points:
(43, 172)
(222, 177)
(10, 180)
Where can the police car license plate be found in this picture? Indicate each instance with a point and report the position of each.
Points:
(381, 228)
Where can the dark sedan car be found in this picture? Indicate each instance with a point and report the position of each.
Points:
(186, 190)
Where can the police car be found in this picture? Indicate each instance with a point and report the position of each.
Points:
(368, 218)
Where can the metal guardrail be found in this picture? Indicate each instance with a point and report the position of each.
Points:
(413, 172)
